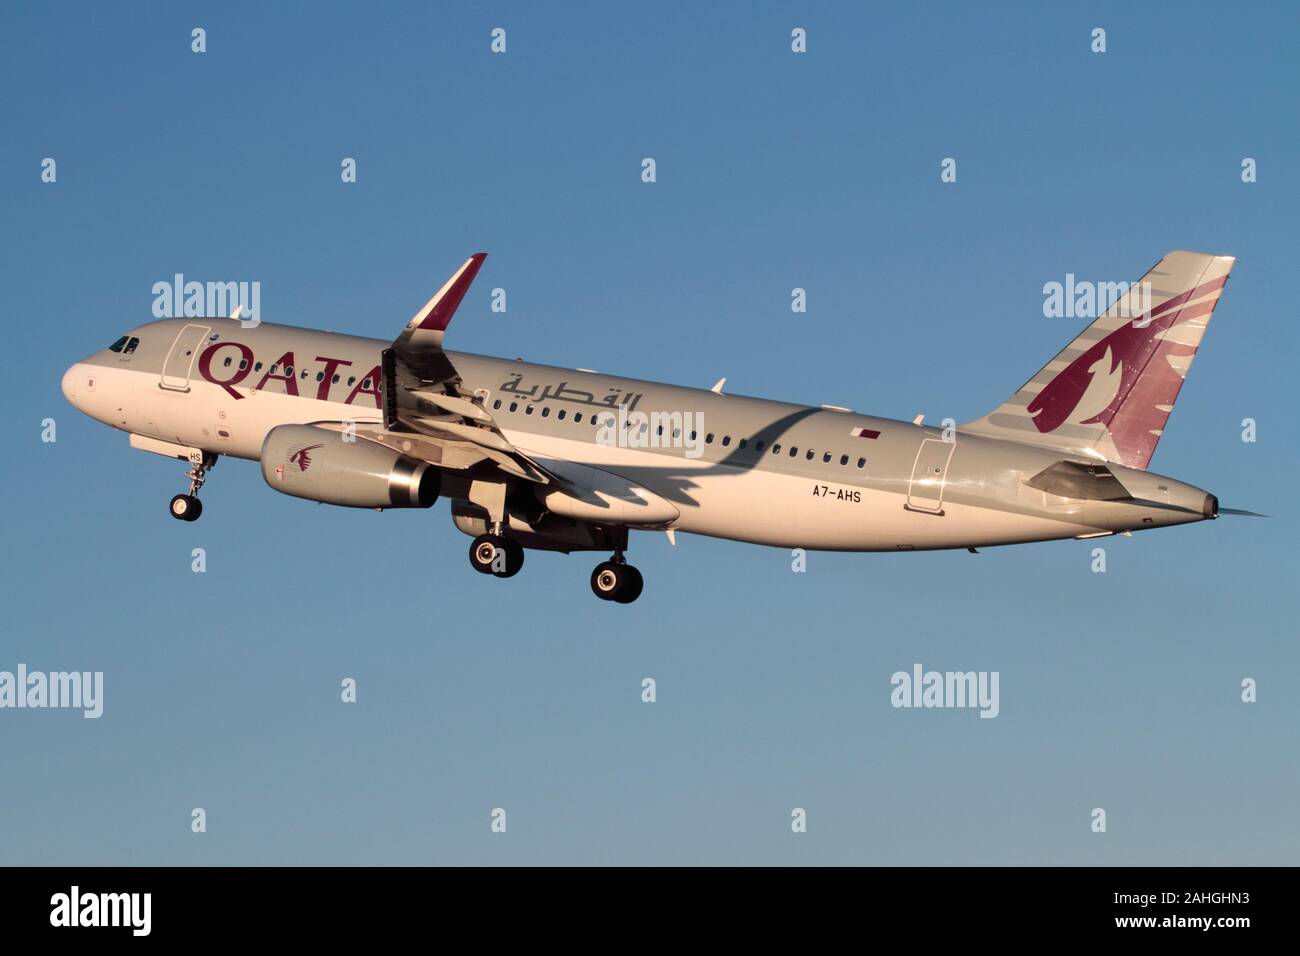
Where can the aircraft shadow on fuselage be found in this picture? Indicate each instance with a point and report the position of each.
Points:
(673, 483)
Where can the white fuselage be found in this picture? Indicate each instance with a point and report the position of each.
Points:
(204, 399)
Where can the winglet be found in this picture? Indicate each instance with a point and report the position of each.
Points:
(437, 312)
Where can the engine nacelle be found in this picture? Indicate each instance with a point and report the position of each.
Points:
(317, 464)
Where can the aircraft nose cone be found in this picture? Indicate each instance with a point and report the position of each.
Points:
(70, 379)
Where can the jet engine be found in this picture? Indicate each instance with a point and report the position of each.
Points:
(318, 464)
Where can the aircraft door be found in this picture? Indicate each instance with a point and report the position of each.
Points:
(929, 473)
(179, 363)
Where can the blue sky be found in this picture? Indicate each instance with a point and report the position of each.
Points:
(1118, 690)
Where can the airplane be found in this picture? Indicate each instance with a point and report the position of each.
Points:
(558, 459)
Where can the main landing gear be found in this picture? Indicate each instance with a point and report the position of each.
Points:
(615, 579)
(496, 554)
(188, 507)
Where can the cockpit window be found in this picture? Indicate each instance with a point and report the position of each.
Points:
(117, 346)
(130, 345)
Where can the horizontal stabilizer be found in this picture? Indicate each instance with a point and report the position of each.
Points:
(1075, 479)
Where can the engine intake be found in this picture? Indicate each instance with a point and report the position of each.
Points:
(306, 461)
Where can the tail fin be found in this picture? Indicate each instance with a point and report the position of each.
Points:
(1109, 392)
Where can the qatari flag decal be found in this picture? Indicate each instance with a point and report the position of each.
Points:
(864, 433)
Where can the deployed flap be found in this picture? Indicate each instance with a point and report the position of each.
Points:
(422, 390)
(605, 497)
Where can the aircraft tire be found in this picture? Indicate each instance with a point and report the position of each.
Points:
(483, 551)
(186, 508)
(631, 589)
(514, 558)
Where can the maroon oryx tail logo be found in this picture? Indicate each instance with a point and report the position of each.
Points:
(302, 457)
(1128, 380)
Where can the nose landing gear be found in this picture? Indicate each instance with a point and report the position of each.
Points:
(188, 507)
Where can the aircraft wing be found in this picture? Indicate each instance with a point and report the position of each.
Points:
(423, 394)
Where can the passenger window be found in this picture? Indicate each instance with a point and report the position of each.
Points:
(826, 458)
(320, 376)
(335, 381)
(810, 454)
(577, 417)
(546, 411)
(496, 404)
(257, 367)
(862, 462)
(288, 371)
(274, 366)
(758, 445)
(528, 410)
(726, 440)
(226, 363)
(560, 414)
(776, 449)
(708, 439)
(130, 345)
(844, 459)
(744, 442)
(365, 383)
(243, 364)
(793, 451)
(352, 379)
(514, 406)
(117, 346)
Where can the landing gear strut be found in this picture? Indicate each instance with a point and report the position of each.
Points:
(615, 579)
(188, 507)
(496, 554)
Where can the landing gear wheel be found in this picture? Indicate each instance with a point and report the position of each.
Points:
(514, 558)
(494, 554)
(482, 552)
(616, 582)
(186, 508)
(631, 589)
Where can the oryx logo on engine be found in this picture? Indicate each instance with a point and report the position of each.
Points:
(302, 457)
